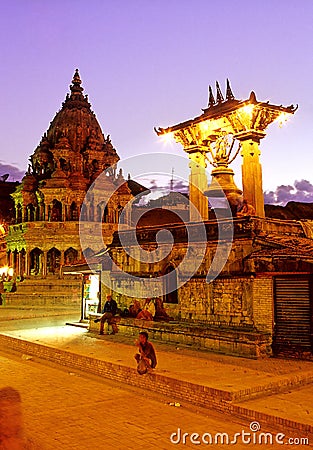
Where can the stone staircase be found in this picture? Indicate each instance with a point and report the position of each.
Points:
(50, 291)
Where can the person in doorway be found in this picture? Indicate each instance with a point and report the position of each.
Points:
(108, 313)
(146, 354)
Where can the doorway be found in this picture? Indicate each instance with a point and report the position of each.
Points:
(293, 315)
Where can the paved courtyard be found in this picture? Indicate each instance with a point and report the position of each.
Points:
(67, 408)
(70, 410)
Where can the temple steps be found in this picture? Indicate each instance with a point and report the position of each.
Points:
(49, 291)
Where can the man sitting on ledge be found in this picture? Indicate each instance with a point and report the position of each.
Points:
(108, 312)
(146, 353)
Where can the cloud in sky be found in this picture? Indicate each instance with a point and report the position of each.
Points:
(302, 191)
(180, 186)
(16, 174)
(161, 187)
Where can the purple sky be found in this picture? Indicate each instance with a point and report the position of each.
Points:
(148, 63)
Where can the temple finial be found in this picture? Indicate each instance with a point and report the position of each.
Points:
(76, 86)
(229, 92)
(219, 95)
(252, 97)
(76, 78)
(211, 97)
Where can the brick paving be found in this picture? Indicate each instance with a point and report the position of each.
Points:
(286, 402)
(70, 410)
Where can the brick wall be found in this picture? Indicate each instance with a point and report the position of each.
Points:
(263, 303)
(226, 300)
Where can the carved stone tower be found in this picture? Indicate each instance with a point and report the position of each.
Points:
(50, 200)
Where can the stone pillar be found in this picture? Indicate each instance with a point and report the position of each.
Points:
(27, 263)
(252, 174)
(64, 215)
(198, 184)
(8, 257)
(44, 212)
(22, 264)
(62, 258)
(18, 265)
(44, 264)
(14, 262)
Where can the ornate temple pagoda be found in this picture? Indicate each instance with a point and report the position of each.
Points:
(50, 200)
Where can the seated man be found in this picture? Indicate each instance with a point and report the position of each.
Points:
(134, 309)
(160, 313)
(148, 310)
(108, 312)
(245, 209)
(146, 351)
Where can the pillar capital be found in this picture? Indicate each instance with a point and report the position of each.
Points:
(251, 135)
(198, 157)
(250, 148)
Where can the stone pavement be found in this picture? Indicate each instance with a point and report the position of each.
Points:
(277, 392)
(68, 410)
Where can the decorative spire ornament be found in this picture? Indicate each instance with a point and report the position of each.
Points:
(229, 92)
(219, 95)
(211, 97)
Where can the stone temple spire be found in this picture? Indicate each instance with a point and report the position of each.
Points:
(74, 140)
(76, 86)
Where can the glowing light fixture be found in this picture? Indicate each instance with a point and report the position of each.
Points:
(204, 126)
(283, 118)
(247, 109)
(4, 270)
(168, 138)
